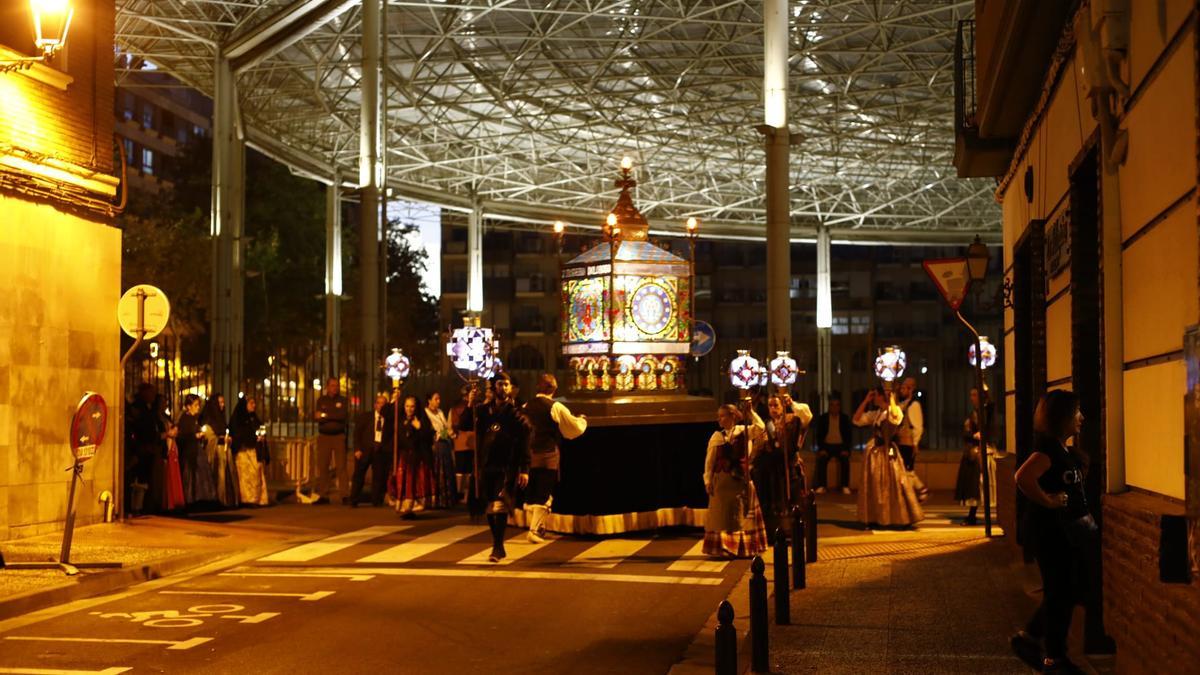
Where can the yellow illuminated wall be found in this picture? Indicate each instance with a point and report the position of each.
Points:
(1152, 198)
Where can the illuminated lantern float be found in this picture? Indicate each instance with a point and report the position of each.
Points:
(626, 333)
(625, 312)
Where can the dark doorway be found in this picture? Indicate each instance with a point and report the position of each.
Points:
(1029, 343)
(1087, 322)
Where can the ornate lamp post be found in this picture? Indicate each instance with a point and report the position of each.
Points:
(978, 257)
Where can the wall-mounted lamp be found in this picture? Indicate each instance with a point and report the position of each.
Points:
(51, 22)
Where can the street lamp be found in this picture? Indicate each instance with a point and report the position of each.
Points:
(51, 21)
(977, 260)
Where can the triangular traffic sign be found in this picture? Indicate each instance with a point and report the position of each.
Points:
(951, 278)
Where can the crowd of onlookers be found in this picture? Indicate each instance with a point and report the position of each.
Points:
(203, 457)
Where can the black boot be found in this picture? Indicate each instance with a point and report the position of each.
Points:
(498, 522)
(970, 519)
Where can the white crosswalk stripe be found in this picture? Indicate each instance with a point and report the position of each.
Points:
(317, 549)
(411, 550)
(515, 547)
(608, 553)
(695, 561)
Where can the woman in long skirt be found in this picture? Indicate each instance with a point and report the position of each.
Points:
(197, 476)
(220, 457)
(733, 525)
(243, 432)
(444, 479)
(887, 497)
(414, 477)
(770, 462)
(969, 485)
(172, 490)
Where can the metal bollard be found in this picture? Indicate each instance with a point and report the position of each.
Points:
(811, 542)
(726, 640)
(783, 604)
(799, 574)
(759, 652)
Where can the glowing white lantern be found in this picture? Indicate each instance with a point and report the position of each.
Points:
(473, 350)
(889, 366)
(783, 370)
(744, 371)
(397, 366)
(989, 353)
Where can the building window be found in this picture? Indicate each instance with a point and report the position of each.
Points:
(147, 161)
(130, 104)
(130, 158)
(147, 116)
(198, 131)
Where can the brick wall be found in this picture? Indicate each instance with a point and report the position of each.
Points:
(75, 125)
(1154, 624)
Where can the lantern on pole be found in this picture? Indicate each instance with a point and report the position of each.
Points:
(473, 351)
(989, 353)
(744, 371)
(890, 364)
(397, 366)
(783, 370)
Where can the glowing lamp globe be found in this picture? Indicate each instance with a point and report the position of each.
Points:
(744, 371)
(51, 21)
(989, 353)
(472, 351)
(889, 366)
(397, 365)
(783, 370)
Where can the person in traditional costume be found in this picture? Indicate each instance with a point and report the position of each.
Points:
(733, 525)
(464, 445)
(968, 487)
(887, 497)
(243, 432)
(172, 489)
(197, 477)
(773, 465)
(501, 457)
(550, 422)
(414, 489)
(215, 427)
(444, 480)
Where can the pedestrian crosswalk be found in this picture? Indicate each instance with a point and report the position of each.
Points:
(440, 548)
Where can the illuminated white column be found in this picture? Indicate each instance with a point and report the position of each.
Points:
(368, 176)
(778, 199)
(824, 317)
(333, 264)
(475, 258)
(226, 226)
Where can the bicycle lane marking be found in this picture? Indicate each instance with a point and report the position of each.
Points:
(112, 670)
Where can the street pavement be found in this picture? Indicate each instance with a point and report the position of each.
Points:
(381, 595)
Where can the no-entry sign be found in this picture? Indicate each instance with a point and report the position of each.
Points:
(88, 425)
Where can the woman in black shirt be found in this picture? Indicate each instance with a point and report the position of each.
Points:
(1060, 525)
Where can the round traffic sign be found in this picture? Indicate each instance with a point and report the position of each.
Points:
(704, 338)
(88, 425)
(155, 311)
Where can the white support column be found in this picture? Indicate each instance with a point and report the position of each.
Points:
(824, 317)
(333, 267)
(226, 227)
(475, 258)
(778, 199)
(369, 178)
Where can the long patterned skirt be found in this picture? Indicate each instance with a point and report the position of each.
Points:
(224, 468)
(414, 484)
(887, 496)
(444, 478)
(172, 492)
(252, 480)
(198, 479)
(733, 525)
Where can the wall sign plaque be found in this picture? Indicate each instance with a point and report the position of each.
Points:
(1058, 243)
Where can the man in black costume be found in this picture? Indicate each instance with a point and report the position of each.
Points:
(501, 457)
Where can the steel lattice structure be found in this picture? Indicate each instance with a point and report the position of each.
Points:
(532, 103)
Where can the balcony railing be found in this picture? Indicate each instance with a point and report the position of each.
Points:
(965, 103)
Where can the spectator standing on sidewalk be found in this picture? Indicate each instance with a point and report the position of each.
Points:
(550, 422)
(969, 485)
(243, 432)
(215, 426)
(1061, 529)
(145, 435)
(198, 483)
(832, 441)
(369, 453)
(332, 415)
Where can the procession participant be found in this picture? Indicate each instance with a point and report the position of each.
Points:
(244, 425)
(332, 415)
(370, 453)
(908, 436)
(193, 462)
(969, 483)
(446, 492)
(501, 457)
(550, 422)
(733, 526)
(887, 497)
(464, 444)
(772, 462)
(414, 479)
(215, 427)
